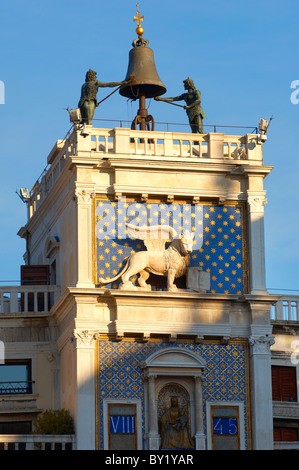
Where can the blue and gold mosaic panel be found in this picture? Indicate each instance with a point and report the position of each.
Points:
(219, 243)
(119, 376)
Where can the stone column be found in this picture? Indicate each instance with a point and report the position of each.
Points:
(84, 237)
(261, 391)
(153, 435)
(85, 389)
(200, 438)
(256, 202)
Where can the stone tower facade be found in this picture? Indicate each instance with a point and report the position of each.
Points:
(131, 357)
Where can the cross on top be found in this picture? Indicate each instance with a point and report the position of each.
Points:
(138, 18)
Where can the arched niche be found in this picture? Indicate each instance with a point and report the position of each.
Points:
(51, 252)
(173, 367)
(51, 246)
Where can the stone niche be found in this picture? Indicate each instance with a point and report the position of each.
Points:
(173, 383)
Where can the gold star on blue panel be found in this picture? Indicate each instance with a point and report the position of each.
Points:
(218, 242)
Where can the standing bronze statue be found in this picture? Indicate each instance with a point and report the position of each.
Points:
(193, 107)
(88, 99)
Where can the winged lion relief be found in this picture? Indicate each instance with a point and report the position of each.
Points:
(171, 262)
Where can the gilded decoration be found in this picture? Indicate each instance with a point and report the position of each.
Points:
(219, 245)
(120, 375)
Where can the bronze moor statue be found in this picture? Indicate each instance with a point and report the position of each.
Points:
(88, 99)
(193, 107)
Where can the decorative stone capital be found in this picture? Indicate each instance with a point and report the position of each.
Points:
(198, 378)
(85, 338)
(84, 196)
(256, 201)
(150, 378)
(261, 344)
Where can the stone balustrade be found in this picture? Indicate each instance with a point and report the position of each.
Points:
(37, 442)
(17, 299)
(97, 144)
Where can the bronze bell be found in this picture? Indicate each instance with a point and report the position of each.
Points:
(142, 68)
(144, 81)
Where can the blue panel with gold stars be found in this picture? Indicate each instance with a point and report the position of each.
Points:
(219, 245)
(119, 376)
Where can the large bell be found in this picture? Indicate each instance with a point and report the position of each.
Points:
(144, 81)
(142, 67)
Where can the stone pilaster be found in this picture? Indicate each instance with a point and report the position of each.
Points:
(200, 438)
(256, 202)
(153, 435)
(84, 197)
(261, 391)
(84, 343)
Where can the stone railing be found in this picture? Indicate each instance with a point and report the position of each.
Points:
(124, 142)
(23, 299)
(286, 445)
(37, 442)
(286, 309)
(212, 146)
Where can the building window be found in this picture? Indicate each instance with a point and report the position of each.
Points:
(285, 434)
(15, 427)
(284, 383)
(15, 378)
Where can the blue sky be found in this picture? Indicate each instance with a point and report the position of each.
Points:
(243, 56)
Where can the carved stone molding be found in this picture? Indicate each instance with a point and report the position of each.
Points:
(196, 200)
(261, 344)
(151, 378)
(50, 357)
(144, 197)
(198, 379)
(285, 410)
(85, 337)
(84, 195)
(118, 196)
(256, 202)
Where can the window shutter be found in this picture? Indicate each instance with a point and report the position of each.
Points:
(275, 384)
(284, 386)
(285, 434)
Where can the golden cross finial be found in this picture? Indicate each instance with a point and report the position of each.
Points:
(138, 18)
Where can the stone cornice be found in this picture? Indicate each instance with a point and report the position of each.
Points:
(72, 292)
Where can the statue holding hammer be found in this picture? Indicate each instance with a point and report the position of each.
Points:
(193, 107)
(88, 99)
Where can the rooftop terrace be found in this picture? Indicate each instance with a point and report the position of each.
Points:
(93, 144)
